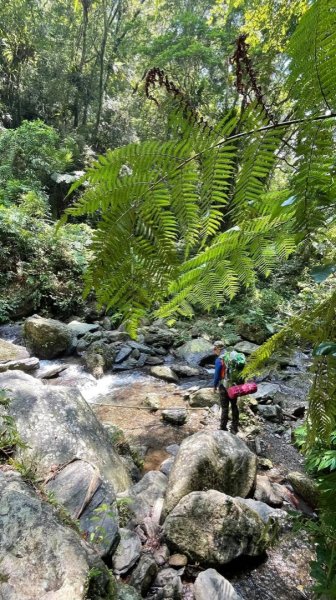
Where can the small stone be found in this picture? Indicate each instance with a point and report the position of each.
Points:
(106, 323)
(161, 555)
(210, 585)
(270, 412)
(203, 398)
(154, 361)
(166, 466)
(123, 353)
(174, 416)
(172, 449)
(265, 463)
(266, 492)
(178, 561)
(152, 401)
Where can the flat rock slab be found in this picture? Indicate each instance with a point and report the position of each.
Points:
(58, 425)
(210, 585)
(9, 351)
(164, 373)
(22, 364)
(48, 371)
(40, 556)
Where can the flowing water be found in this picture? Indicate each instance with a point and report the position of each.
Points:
(118, 399)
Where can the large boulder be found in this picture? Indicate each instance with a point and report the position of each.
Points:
(9, 352)
(214, 528)
(246, 347)
(164, 373)
(47, 338)
(40, 556)
(147, 496)
(58, 425)
(78, 329)
(196, 352)
(305, 487)
(214, 460)
(204, 397)
(210, 585)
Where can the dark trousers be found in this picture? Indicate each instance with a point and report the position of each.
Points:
(225, 401)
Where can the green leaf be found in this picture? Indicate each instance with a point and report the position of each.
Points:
(325, 349)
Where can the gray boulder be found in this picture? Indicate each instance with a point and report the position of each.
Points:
(123, 353)
(214, 528)
(204, 397)
(58, 425)
(268, 514)
(266, 391)
(128, 551)
(305, 487)
(210, 585)
(246, 347)
(174, 416)
(47, 338)
(40, 556)
(147, 496)
(267, 492)
(270, 412)
(166, 466)
(196, 352)
(159, 336)
(167, 585)
(144, 574)
(214, 460)
(164, 373)
(78, 328)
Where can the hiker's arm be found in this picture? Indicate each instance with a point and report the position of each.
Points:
(217, 376)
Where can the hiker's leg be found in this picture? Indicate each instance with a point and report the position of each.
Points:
(224, 400)
(235, 415)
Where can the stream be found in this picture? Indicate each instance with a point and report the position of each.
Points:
(117, 399)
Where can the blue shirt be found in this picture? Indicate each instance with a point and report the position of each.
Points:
(218, 371)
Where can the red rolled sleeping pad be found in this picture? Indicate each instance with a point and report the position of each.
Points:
(241, 390)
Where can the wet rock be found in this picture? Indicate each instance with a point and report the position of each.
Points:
(266, 391)
(9, 351)
(246, 347)
(166, 466)
(197, 351)
(123, 353)
(204, 397)
(144, 574)
(210, 585)
(266, 492)
(22, 364)
(305, 487)
(174, 416)
(178, 561)
(147, 496)
(271, 412)
(47, 338)
(214, 460)
(50, 371)
(154, 360)
(164, 373)
(38, 553)
(126, 592)
(187, 371)
(58, 426)
(211, 527)
(128, 551)
(79, 329)
(94, 363)
(167, 585)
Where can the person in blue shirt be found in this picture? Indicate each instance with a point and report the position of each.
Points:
(221, 382)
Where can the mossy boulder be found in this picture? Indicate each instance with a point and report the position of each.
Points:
(47, 338)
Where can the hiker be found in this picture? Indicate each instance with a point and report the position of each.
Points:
(227, 368)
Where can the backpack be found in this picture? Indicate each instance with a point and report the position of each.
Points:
(234, 363)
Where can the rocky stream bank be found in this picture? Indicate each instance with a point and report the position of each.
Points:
(116, 483)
